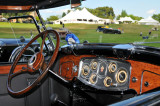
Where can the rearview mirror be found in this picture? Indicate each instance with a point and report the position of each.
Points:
(75, 3)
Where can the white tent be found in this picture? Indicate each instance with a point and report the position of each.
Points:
(126, 20)
(83, 16)
(148, 21)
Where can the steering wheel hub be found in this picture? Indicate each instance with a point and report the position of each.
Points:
(35, 62)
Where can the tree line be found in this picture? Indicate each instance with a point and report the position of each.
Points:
(124, 14)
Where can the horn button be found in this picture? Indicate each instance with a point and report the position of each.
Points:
(35, 62)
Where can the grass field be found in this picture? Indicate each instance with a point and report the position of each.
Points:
(87, 32)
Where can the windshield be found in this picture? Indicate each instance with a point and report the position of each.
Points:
(111, 21)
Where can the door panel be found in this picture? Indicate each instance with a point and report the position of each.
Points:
(39, 97)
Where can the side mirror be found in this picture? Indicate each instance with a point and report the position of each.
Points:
(75, 3)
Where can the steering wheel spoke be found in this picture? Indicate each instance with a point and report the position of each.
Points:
(24, 69)
(35, 63)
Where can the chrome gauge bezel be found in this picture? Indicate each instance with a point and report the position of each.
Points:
(90, 78)
(92, 66)
(105, 81)
(111, 64)
(82, 70)
(122, 70)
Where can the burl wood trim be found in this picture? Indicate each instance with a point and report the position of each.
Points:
(154, 83)
(6, 69)
(15, 7)
(69, 74)
(137, 71)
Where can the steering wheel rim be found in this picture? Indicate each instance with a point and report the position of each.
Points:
(45, 70)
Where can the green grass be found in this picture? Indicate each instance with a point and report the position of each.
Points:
(87, 32)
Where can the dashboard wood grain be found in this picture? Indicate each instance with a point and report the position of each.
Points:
(137, 70)
(6, 68)
(66, 65)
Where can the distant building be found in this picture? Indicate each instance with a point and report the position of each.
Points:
(126, 20)
(148, 21)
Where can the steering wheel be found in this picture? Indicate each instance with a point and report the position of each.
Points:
(36, 62)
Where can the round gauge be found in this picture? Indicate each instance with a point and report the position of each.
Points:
(94, 65)
(93, 78)
(112, 67)
(85, 70)
(107, 81)
(121, 76)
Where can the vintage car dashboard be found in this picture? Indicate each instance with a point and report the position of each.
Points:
(112, 67)
(105, 73)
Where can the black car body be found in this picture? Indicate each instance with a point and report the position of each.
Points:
(100, 28)
(111, 31)
(107, 30)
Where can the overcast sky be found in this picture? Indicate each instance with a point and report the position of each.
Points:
(142, 8)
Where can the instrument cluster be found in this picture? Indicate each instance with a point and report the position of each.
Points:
(105, 73)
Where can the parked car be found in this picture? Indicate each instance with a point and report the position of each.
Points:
(85, 74)
(111, 31)
(107, 30)
(101, 28)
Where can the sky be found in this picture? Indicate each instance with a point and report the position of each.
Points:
(142, 8)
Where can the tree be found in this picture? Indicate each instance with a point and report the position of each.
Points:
(63, 14)
(124, 13)
(38, 20)
(118, 17)
(52, 18)
(156, 17)
(103, 12)
(79, 8)
(7, 15)
(135, 17)
(68, 11)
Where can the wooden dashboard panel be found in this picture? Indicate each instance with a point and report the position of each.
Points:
(137, 70)
(6, 68)
(67, 63)
(150, 81)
